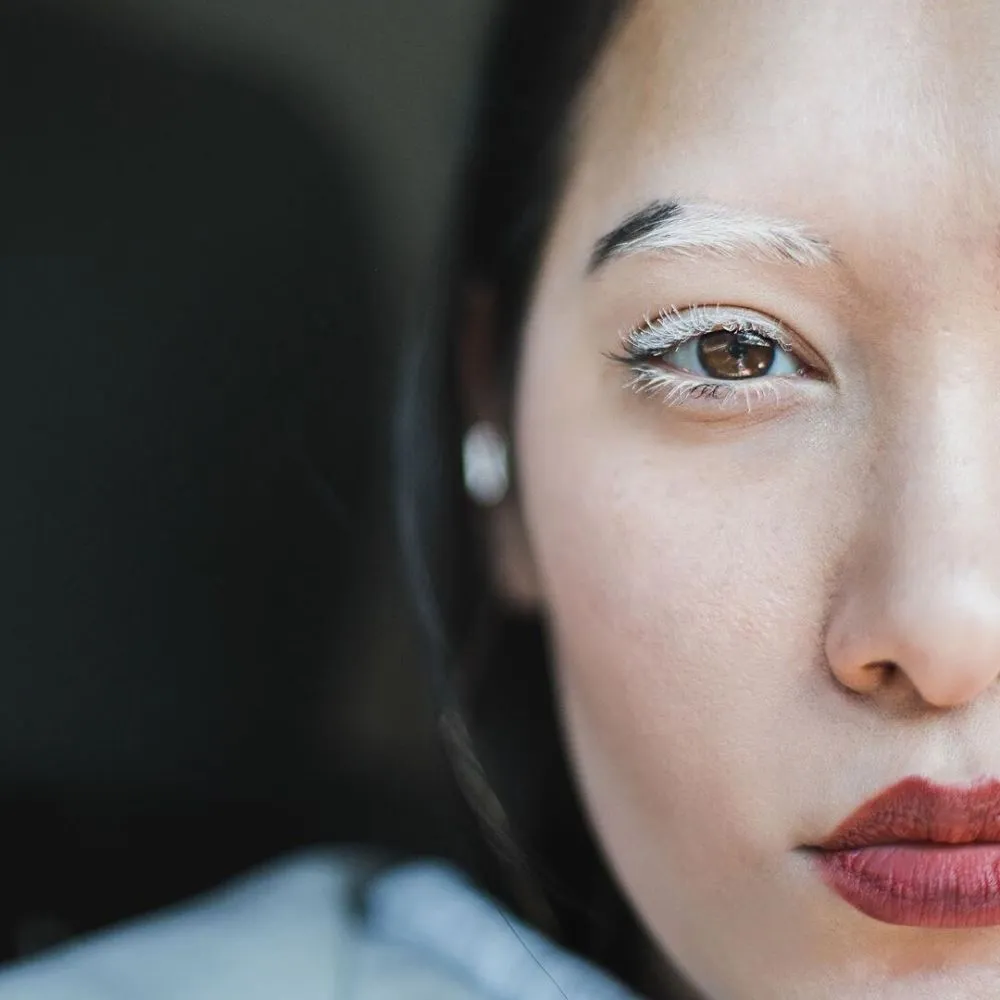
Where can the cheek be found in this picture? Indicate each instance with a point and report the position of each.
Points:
(685, 587)
(682, 627)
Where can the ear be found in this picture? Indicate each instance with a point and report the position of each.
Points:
(484, 397)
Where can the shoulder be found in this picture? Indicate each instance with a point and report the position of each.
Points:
(292, 931)
(323, 925)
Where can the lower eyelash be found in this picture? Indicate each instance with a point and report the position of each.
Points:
(675, 389)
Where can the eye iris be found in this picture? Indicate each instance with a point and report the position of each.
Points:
(736, 354)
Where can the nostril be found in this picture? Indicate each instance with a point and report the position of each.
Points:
(867, 678)
(885, 671)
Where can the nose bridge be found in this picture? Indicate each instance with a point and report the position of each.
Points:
(920, 593)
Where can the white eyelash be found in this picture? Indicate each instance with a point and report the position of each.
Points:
(672, 328)
(676, 388)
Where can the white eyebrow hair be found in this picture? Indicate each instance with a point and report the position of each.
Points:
(695, 228)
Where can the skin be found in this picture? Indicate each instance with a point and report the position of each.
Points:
(721, 589)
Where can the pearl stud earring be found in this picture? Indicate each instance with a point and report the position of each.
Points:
(485, 464)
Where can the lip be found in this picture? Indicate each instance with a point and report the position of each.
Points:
(920, 855)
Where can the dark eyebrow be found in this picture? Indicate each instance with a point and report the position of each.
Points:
(638, 225)
(696, 228)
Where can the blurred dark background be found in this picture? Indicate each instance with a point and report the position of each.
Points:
(216, 219)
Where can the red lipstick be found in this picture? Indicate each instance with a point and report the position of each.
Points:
(920, 855)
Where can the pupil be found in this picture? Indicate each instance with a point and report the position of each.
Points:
(727, 354)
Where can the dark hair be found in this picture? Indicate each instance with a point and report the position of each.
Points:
(490, 668)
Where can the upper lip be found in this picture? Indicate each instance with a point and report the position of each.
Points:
(917, 810)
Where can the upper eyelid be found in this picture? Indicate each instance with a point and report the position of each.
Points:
(784, 334)
(694, 321)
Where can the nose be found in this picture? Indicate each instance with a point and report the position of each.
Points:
(918, 602)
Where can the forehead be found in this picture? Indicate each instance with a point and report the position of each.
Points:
(886, 113)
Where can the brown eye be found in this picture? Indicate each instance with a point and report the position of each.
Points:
(736, 354)
(715, 343)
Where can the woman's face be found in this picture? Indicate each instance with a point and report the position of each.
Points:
(767, 533)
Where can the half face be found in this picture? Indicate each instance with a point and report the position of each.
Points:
(758, 439)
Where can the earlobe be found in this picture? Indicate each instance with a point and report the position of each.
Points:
(486, 457)
(515, 575)
(486, 474)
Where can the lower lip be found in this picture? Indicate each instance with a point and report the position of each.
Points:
(919, 885)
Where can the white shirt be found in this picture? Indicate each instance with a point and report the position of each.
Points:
(324, 925)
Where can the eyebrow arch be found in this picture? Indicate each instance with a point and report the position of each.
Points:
(695, 228)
